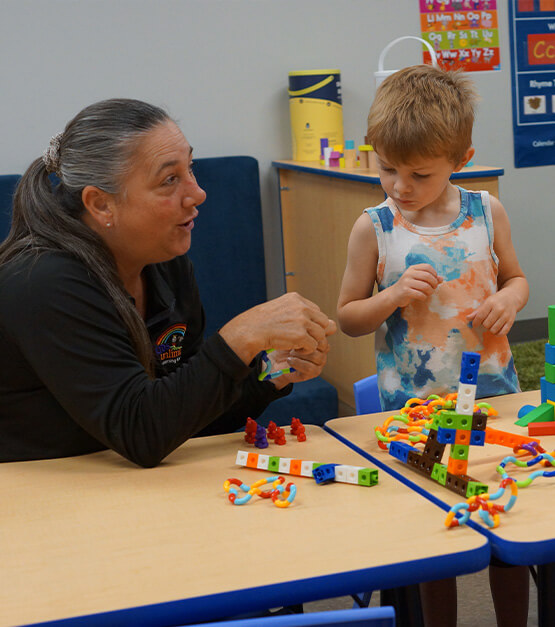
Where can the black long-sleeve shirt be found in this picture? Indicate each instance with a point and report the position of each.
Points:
(70, 380)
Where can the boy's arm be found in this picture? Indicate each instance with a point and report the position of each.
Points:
(498, 312)
(358, 312)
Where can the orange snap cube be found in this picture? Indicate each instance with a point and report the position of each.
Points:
(462, 436)
(457, 466)
(295, 468)
(252, 460)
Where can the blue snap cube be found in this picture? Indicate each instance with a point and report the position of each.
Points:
(477, 438)
(446, 436)
(400, 450)
(324, 472)
(470, 363)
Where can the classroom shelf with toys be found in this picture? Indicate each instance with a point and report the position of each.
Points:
(319, 205)
(471, 177)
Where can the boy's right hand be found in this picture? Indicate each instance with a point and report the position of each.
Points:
(416, 283)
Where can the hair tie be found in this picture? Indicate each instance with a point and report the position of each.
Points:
(51, 156)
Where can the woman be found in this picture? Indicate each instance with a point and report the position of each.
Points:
(93, 276)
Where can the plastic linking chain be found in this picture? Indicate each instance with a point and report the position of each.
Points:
(490, 512)
(281, 495)
(417, 416)
(267, 373)
(546, 458)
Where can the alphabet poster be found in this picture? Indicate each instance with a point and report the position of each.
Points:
(532, 32)
(463, 33)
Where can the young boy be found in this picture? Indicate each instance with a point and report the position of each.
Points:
(447, 273)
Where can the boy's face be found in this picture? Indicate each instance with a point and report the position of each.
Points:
(419, 184)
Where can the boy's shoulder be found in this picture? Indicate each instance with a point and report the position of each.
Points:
(383, 206)
(380, 211)
(381, 215)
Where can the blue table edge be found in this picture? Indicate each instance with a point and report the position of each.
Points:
(227, 604)
(518, 553)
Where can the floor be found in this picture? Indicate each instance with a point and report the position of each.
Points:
(475, 607)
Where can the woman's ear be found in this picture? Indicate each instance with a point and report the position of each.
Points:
(98, 206)
(467, 157)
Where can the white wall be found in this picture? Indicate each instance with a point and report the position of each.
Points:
(221, 66)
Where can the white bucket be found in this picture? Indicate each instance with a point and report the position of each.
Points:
(382, 74)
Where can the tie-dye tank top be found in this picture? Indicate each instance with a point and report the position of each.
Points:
(418, 348)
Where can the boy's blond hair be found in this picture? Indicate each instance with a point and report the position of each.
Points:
(423, 111)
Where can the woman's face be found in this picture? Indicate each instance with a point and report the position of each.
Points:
(154, 214)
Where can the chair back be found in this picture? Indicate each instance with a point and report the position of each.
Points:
(8, 183)
(367, 395)
(363, 617)
(227, 247)
(227, 252)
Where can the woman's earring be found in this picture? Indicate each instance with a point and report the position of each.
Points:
(108, 224)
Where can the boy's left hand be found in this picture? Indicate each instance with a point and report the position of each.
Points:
(496, 314)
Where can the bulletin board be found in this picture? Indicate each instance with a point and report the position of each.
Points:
(463, 33)
(532, 35)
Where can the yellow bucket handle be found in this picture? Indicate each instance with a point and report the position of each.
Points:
(392, 43)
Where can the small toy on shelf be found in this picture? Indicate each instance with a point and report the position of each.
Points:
(327, 153)
(335, 156)
(363, 154)
(350, 154)
(324, 143)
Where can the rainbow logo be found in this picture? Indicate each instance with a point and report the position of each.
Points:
(168, 344)
(172, 336)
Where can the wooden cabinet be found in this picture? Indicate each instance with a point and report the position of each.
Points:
(319, 206)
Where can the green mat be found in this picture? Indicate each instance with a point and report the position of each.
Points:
(530, 363)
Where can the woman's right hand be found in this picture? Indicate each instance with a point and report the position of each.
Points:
(290, 322)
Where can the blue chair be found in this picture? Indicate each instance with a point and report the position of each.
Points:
(227, 251)
(8, 183)
(367, 395)
(367, 617)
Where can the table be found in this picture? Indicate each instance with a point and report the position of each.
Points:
(319, 206)
(526, 534)
(95, 536)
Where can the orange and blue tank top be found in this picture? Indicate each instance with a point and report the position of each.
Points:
(419, 347)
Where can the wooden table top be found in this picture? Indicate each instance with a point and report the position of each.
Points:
(526, 534)
(95, 534)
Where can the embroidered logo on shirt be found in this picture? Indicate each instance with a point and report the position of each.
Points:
(168, 344)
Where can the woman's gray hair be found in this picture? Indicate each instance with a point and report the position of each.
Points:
(95, 148)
